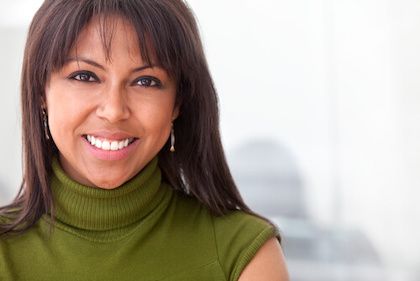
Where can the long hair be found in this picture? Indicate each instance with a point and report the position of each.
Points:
(168, 33)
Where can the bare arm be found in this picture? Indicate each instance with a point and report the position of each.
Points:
(267, 265)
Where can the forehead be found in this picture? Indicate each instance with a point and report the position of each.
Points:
(107, 38)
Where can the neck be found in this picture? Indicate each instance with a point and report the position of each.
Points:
(97, 209)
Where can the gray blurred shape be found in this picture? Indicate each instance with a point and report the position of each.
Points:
(269, 180)
(268, 177)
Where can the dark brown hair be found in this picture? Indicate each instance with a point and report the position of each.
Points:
(167, 32)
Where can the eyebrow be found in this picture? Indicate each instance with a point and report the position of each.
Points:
(93, 63)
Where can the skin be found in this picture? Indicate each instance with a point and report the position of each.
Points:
(92, 95)
(267, 265)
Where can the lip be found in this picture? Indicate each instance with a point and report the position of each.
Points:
(111, 135)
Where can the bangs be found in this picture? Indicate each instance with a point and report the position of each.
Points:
(161, 35)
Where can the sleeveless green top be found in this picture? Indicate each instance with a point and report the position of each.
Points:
(143, 230)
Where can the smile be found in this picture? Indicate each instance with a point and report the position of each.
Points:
(108, 145)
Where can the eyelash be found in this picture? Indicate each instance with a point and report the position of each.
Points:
(144, 81)
(85, 74)
(150, 80)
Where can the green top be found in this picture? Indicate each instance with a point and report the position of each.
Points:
(143, 230)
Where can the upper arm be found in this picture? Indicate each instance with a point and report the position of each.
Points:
(267, 265)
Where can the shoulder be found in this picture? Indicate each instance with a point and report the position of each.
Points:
(267, 264)
(8, 217)
(9, 213)
(234, 239)
(239, 236)
(234, 226)
(4, 223)
(3, 219)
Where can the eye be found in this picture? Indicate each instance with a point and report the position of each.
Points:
(148, 81)
(84, 76)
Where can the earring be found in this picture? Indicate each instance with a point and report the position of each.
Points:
(45, 121)
(172, 139)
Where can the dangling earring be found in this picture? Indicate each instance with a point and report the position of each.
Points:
(45, 121)
(172, 139)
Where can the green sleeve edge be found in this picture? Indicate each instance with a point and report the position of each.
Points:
(250, 252)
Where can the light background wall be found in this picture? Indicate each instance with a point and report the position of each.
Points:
(335, 83)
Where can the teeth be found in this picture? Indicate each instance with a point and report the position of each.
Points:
(107, 144)
(114, 145)
(98, 143)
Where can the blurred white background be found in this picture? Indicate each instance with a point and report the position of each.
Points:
(320, 113)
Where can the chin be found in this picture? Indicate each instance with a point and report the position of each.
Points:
(109, 178)
(108, 184)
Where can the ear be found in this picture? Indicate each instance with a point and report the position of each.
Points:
(175, 113)
(43, 103)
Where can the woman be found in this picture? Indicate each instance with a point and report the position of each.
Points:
(108, 86)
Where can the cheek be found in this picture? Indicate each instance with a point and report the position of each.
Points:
(156, 124)
(155, 116)
(64, 114)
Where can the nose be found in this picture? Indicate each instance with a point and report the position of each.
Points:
(114, 105)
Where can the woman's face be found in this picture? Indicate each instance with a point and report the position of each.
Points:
(109, 117)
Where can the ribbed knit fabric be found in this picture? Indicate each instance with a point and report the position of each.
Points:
(143, 230)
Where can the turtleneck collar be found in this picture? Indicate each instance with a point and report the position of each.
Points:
(98, 209)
